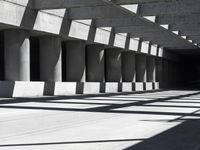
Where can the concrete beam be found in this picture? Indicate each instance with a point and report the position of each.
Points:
(52, 4)
(119, 22)
(132, 29)
(178, 19)
(176, 7)
(97, 12)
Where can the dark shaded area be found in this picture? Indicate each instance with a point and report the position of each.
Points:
(113, 65)
(63, 62)
(2, 68)
(95, 63)
(128, 66)
(140, 68)
(75, 64)
(185, 136)
(34, 59)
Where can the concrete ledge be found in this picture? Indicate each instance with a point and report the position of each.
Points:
(92, 88)
(156, 85)
(63, 88)
(21, 89)
(35, 89)
(149, 86)
(112, 87)
(139, 86)
(127, 87)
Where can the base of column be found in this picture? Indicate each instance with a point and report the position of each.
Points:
(38, 89)
(21, 89)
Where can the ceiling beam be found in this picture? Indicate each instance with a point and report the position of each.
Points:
(119, 22)
(97, 12)
(132, 29)
(161, 8)
(56, 4)
(178, 19)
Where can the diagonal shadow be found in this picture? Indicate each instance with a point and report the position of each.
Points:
(28, 99)
(109, 108)
(73, 142)
(185, 136)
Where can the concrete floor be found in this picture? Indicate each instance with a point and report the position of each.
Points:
(162, 120)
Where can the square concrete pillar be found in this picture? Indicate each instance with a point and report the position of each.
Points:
(50, 59)
(140, 68)
(17, 55)
(113, 65)
(128, 66)
(95, 63)
(75, 61)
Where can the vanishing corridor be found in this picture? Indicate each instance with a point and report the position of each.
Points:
(159, 120)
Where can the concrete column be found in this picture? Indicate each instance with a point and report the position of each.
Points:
(113, 65)
(17, 55)
(2, 56)
(95, 63)
(128, 66)
(165, 73)
(151, 69)
(75, 61)
(140, 68)
(159, 70)
(50, 59)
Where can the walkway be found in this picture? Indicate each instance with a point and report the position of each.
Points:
(162, 120)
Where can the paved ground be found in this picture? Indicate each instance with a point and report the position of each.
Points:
(164, 120)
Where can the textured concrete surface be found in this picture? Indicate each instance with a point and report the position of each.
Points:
(162, 120)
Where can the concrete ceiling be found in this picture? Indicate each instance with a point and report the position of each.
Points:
(180, 15)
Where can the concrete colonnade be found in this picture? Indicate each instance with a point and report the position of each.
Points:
(75, 61)
(91, 63)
